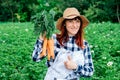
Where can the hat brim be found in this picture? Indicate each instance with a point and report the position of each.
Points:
(61, 19)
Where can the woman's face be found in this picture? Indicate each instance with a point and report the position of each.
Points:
(72, 26)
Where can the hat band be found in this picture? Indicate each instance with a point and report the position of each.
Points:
(71, 16)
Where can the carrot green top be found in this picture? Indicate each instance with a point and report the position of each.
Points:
(44, 23)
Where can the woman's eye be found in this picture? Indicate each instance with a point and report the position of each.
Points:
(77, 20)
(69, 20)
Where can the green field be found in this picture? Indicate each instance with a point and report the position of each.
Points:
(17, 43)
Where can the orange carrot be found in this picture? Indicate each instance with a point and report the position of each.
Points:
(51, 47)
(48, 51)
(44, 48)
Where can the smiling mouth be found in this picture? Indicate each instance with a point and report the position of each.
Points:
(74, 29)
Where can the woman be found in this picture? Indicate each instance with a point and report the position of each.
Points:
(72, 53)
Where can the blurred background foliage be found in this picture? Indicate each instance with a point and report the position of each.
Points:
(94, 10)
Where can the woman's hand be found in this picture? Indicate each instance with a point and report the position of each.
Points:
(70, 64)
(41, 37)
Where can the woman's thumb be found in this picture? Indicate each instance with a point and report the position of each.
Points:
(69, 58)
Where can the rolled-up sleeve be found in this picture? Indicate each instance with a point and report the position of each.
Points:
(37, 50)
(87, 69)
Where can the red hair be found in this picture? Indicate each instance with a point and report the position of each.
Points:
(63, 36)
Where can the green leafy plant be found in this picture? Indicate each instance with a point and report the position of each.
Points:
(44, 23)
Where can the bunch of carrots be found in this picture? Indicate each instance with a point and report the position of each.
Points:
(44, 25)
(48, 45)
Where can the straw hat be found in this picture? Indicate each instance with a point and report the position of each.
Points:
(71, 13)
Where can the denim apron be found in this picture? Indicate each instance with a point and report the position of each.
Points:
(57, 71)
